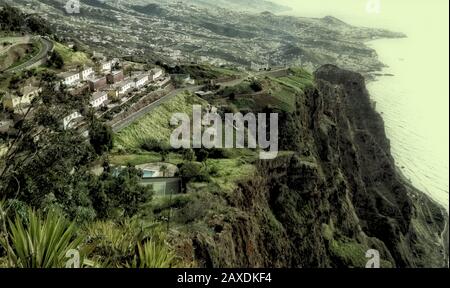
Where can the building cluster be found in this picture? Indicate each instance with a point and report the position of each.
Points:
(106, 82)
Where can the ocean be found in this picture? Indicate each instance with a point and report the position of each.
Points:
(414, 101)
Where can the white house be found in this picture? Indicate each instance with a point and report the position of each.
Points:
(68, 121)
(125, 86)
(98, 99)
(141, 80)
(69, 78)
(157, 73)
(86, 73)
(120, 88)
(13, 102)
(107, 66)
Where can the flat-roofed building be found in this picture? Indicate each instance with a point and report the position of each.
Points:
(156, 73)
(70, 78)
(70, 120)
(87, 73)
(115, 76)
(141, 80)
(98, 99)
(118, 90)
(97, 83)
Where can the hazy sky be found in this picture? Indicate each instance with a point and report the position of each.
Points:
(391, 14)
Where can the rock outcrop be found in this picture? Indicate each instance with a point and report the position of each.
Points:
(326, 203)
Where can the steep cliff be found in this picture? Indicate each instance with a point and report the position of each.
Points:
(334, 196)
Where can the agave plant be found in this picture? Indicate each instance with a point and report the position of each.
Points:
(112, 243)
(117, 245)
(39, 242)
(153, 255)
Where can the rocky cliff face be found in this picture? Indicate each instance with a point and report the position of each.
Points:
(337, 195)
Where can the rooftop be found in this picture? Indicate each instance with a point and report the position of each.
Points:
(98, 95)
(67, 74)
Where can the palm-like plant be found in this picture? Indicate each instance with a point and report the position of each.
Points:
(153, 255)
(119, 245)
(39, 242)
(112, 243)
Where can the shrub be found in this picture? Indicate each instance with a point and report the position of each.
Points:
(256, 86)
(201, 154)
(153, 255)
(116, 244)
(152, 145)
(188, 155)
(39, 242)
(193, 171)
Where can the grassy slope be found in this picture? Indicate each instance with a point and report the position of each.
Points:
(281, 92)
(71, 58)
(156, 124)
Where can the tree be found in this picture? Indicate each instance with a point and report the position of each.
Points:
(119, 190)
(164, 154)
(49, 168)
(188, 155)
(202, 155)
(163, 169)
(55, 60)
(256, 86)
(12, 19)
(192, 171)
(101, 137)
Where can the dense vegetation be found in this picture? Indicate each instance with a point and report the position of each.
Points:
(12, 19)
(48, 188)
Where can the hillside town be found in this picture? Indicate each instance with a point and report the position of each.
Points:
(106, 83)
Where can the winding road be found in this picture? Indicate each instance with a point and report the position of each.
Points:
(46, 47)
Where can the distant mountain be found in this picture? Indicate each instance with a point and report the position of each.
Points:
(245, 5)
(255, 6)
(220, 32)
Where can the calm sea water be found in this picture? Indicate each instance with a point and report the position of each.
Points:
(415, 116)
(414, 103)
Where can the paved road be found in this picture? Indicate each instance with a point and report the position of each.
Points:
(139, 114)
(117, 127)
(47, 46)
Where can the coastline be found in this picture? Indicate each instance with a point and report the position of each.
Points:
(418, 162)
